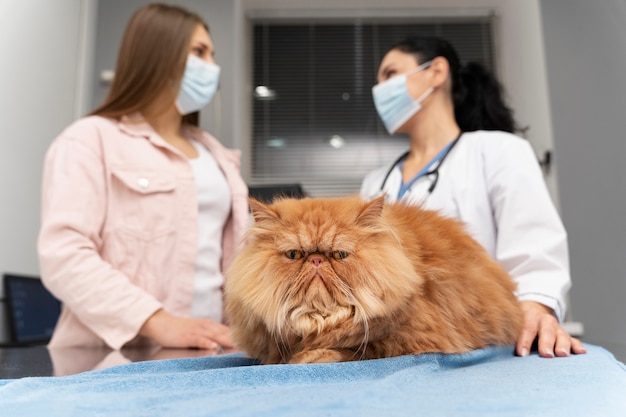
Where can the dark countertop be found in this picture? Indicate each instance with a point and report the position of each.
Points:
(27, 361)
(19, 362)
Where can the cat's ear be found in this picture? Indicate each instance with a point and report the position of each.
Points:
(261, 212)
(372, 211)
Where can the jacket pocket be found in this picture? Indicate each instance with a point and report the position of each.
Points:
(143, 202)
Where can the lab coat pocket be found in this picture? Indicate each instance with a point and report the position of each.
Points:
(143, 201)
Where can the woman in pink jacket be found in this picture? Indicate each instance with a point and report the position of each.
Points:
(142, 210)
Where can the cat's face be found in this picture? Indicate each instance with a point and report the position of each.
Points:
(314, 263)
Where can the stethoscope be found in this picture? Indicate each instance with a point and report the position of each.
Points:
(434, 171)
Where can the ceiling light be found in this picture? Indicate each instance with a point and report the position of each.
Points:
(337, 141)
(263, 92)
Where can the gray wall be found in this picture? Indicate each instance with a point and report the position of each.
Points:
(38, 75)
(585, 44)
(41, 74)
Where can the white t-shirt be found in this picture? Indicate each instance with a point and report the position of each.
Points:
(491, 181)
(213, 210)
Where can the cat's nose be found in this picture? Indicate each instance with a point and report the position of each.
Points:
(316, 260)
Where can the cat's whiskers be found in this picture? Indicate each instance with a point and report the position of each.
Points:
(359, 315)
(287, 307)
(280, 323)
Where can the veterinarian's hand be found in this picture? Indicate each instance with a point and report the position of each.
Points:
(182, 332)
(553, 339)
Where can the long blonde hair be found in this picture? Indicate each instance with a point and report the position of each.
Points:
(152, 57)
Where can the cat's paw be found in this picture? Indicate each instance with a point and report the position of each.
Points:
(318, 356)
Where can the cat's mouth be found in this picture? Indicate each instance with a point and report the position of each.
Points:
(317, 283)
(319, 292)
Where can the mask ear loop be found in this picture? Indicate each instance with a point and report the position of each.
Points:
(421, 67)
(430, 89)
(425, 94)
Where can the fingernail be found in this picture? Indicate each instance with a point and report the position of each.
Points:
(565, 351)
(549, 354)
(524, 352)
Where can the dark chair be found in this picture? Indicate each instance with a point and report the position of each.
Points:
(32, 311)
(267, 193)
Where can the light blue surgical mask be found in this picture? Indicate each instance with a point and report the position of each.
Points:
(198, 85)
(394, 103)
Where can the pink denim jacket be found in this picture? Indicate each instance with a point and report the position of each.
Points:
(119, 227)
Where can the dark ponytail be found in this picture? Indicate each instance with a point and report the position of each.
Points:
(479, 104)
(476, 93)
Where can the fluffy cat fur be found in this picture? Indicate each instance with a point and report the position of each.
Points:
(329, 280)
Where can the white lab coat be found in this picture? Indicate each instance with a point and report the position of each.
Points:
(491, 181)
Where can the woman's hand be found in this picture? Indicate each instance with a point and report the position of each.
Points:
(183, 332)
(553, 339)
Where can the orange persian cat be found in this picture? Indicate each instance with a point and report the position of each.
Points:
(340, 279)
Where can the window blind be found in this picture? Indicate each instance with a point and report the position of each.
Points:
(314, 121)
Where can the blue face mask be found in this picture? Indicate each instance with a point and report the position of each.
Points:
(198, 85)
(394, 103)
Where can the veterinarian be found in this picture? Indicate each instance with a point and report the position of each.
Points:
(141, 209)
(465, 160)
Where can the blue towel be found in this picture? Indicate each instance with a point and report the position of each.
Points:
(486, 382)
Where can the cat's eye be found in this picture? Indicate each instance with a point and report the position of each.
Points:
(294, 254)
(339, 255)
